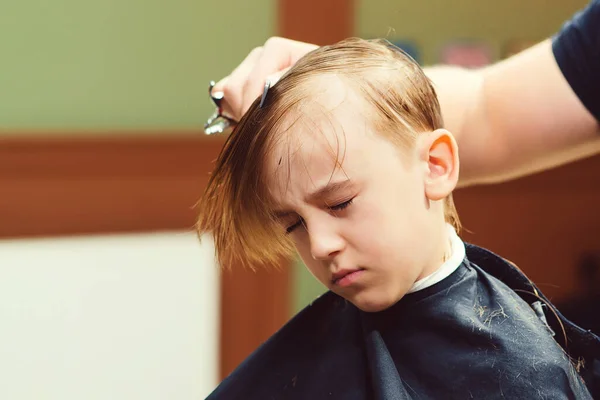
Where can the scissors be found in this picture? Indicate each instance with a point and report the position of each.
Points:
(219, 123)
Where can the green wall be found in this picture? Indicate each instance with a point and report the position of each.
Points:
(118, 64)
(433, 23)
(306, 287)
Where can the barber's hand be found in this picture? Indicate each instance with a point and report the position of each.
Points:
(247, 81)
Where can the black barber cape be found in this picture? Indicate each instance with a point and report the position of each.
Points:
(478, 334)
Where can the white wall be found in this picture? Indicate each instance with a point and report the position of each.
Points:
(108, 317)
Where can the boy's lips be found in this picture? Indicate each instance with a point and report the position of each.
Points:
(345, 277)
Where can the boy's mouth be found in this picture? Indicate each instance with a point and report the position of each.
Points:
(345, 277)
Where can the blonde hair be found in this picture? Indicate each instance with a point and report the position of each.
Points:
(235, 207)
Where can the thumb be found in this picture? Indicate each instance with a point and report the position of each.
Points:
(220, 86)
(219, 90)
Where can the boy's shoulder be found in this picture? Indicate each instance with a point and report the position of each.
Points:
(323, 351)
(322, 342)
(582, 343)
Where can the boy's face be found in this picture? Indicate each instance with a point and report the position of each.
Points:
(373, 224)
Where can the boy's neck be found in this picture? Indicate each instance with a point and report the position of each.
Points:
(453, 256)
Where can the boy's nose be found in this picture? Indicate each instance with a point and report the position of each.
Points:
(325, 243)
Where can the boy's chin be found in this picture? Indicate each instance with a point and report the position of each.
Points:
(372, 303)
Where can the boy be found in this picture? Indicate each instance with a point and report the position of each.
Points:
(357, 176)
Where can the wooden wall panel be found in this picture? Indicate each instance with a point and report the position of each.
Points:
(316, 21)
(106, 183)
(110, 183)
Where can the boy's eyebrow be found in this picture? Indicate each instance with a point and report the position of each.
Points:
(282, 214)
(320, 193)
(328, 189)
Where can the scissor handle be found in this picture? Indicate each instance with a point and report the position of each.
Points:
(217, 97)
(217, 122)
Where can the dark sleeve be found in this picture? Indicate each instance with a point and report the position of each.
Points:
(576, 48)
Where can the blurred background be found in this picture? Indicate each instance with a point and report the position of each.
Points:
(105, 290)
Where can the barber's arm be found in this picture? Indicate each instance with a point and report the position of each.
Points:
(514, 118)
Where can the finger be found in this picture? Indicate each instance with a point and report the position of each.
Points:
(299, 50)
(220, 85)
(278, 55)
(232, 85)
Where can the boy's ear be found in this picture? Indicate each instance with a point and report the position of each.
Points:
(439, 151)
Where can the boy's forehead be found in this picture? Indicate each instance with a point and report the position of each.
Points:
(315, 148)
(309, 145)
(321, 136)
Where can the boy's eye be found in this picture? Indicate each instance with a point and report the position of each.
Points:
(300, 222)
(295, 225)
(341, 206)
